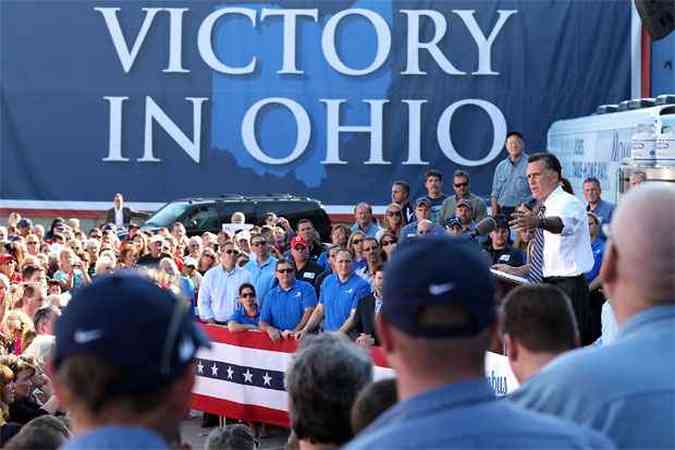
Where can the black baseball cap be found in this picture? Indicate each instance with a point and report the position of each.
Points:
(125, 319)
(447, 271)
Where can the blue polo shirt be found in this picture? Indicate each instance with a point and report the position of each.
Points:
(262, 276)
(372, 230)
(466, 415)
(239, 315)
(598, 248)
(339, 298)
(283, 309)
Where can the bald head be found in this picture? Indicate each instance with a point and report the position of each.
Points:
(639, 266)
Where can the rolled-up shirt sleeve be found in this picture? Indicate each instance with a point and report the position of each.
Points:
(204, 299)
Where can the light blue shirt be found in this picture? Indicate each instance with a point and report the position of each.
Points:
(372, 230)
(262, 276)
(604, 210)
(625, 389)
(467, 416)
(219, 293)
(117, 438)
(509, 185)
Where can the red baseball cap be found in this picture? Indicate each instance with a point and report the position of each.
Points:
(4, 259)
(298, 240)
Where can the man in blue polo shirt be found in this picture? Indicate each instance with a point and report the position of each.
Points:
(435, 325)
(261, 267)
(289, 304)
(340, 295)
(592, 193)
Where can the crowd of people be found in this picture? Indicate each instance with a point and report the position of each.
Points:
(417, 283)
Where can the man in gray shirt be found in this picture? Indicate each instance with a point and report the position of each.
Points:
(435, 325)
(627, 389)
(509, 186)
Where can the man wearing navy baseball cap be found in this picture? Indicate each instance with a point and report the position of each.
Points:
(435, 326)
(123, 363)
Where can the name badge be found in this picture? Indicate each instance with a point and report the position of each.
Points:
(309, 275)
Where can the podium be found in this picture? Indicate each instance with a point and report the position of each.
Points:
(505, 282)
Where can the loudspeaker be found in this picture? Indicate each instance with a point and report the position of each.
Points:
(658, 16)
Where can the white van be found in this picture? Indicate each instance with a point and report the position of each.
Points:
(607, 145)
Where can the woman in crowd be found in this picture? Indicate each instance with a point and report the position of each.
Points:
(207, 260)
(355, 246)
(175, 281)
(128, 256)
(596, 297)
(70, 271)
(388, 242)
(393, 221)
(248, 316)
(16, 327)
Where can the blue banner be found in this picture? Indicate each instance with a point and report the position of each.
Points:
(331, 99)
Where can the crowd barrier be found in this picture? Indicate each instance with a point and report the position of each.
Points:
(242, 375)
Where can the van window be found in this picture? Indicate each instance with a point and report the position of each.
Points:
(203, 217)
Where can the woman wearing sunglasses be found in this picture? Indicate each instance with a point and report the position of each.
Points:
(247, 316)
(388, 243)
(393, 221)
(355, 246)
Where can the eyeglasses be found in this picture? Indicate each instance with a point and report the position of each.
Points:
(299, 248)
(465, 184)
(369, 249)
(248, 295)
(393, 213)
(357, 241)
(230, 252)
(386, 243)
(288, 270)
(32, 243)
(258, 243)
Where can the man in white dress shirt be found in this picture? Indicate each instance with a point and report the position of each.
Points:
(219, 291)
(561, 252)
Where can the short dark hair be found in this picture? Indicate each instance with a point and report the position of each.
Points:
(43, 314)
(461, 173)
(515, 133)
(404, 184)
(550, 161)
(29, 271)
(90, 379)
(433, 173)
(541, 318)
(592, 180)
(247, 285)
(281, 261)
(373, 400)
(301, 221)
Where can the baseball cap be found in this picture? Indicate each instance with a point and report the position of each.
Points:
(423, 201)
(156, 344)
(4, 259)
(24, 223)
(448, 271)
(190, 261)
(298, 240)
(453, 222)
(464, 202)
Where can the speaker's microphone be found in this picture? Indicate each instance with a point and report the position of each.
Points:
(484, 227)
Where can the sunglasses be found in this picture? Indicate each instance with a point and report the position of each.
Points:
(299, 248)
(357, 241)
(369, 249)
(386, 243)
(461, 184)
(393, 213)
(289, 270)
(32, 243)
(230, 252)
(248, 295)
(258, 243)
